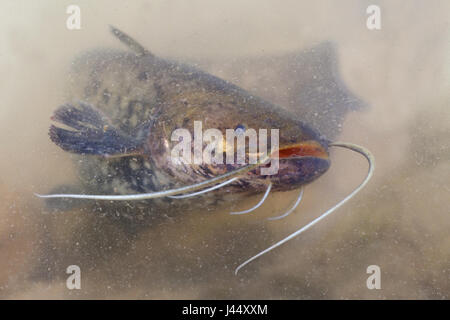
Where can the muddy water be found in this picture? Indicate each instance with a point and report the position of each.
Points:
(400, 222)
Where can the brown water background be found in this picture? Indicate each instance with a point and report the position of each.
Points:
(399, 222)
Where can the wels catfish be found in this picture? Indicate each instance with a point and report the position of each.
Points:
(125, 107)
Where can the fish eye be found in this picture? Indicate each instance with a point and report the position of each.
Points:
(240, 128)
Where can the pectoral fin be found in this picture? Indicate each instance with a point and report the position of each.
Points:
(91, 133)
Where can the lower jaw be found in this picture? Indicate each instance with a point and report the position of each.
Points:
(293, 173)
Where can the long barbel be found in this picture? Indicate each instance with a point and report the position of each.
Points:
(163, 193)
(230, 175)
(361, 150)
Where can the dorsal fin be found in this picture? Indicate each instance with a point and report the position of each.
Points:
(130, 42)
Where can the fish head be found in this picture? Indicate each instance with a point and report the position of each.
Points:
(298, 153)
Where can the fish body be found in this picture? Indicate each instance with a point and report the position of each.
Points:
(124, 107)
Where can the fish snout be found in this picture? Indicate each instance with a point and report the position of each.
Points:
(309, 148)
(299, 164)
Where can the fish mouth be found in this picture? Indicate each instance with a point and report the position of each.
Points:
(299, 164)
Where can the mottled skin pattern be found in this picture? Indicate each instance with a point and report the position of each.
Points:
(146, 98)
